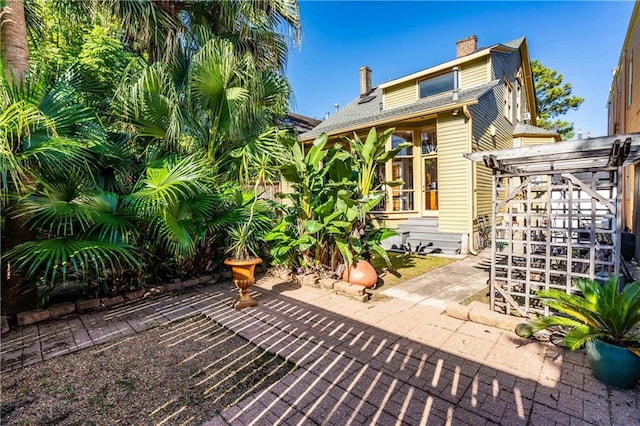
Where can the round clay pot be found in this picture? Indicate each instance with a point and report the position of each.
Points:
(360, 273)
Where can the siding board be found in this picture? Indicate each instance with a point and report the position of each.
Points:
(401, 94)
(474, 73)
(454, 174)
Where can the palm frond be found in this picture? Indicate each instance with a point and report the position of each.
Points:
(58, 208)
(55, 258)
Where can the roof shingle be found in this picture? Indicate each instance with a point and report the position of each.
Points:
(355, 114)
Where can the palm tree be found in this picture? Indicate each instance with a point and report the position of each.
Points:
(216, 102)
(14, 46)
(41, 132)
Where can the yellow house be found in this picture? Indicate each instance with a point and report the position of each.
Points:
(483, 99)
(624, 117)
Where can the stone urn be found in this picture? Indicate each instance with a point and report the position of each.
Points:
(361, 273)
(243, 278)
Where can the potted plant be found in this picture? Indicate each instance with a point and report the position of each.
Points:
(604, 320)
(243, 245)
(243, 261)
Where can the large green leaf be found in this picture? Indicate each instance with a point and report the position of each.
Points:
(313, 226)
(49, 258)
(317, 151)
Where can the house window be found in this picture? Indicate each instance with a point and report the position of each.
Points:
(630, 80)
(402, 169)
(434, 85)
(518, 102)
(508, 101)
(429, 144)
(429, 141)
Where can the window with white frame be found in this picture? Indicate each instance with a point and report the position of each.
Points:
(508, 101)
(518, 101)
(435, 85)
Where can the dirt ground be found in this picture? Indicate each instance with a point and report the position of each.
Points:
(180, 374)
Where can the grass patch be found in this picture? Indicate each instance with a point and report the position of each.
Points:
(481, 296)
(405, 266)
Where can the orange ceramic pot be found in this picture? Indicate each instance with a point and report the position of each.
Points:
(361, 273)
(243, 277)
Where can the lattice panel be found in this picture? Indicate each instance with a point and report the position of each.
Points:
(550, 230)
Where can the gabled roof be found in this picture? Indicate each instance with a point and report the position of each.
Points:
(356, 115)
(522, 129)
(506, 47)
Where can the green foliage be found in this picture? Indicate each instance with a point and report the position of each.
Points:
(554, 99)
(103, 59)
(327, 221)
(597, 312)
(124, 167)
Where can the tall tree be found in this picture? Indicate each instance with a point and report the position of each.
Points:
(14, 47)
(554, 99)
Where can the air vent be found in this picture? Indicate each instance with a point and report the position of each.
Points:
(367, 99)
(526, 116)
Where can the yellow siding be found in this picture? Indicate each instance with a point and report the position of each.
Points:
(453, 174)
(401, 94)
(532, 140)
(484, 187)
(474, 73)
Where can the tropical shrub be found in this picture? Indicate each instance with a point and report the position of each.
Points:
(326, 221)
(596, 312)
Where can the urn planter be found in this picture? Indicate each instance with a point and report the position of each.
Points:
(243, 278)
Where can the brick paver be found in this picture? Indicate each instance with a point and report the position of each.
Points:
(386, 363)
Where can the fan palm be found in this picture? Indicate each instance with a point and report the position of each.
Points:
(50, 147)
(599, 312)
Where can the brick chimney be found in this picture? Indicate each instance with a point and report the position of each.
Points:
(466, 45)
(365, 81)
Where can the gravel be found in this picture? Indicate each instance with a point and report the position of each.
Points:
(185, 373)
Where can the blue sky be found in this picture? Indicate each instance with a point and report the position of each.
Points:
(580, 39)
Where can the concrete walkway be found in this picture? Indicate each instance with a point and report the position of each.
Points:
(392, 362)
(447, 285)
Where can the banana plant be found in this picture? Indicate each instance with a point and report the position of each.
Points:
(327, 220)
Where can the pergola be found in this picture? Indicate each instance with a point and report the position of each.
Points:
(556, 216)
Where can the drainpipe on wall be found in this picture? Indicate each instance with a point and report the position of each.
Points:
(455, 84)
(473, 197)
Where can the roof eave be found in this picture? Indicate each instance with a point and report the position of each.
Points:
(389, 120)
(529, 84)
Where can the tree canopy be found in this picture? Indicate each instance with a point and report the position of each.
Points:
(554, 99)
(127, 129)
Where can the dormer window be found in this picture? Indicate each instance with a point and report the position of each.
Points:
(434, 85)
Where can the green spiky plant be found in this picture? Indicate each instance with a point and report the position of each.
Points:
(597, 312)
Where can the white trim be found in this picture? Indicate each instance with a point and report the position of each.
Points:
(630, 79)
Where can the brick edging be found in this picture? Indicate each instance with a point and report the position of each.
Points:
(337, 286)
(83, 305)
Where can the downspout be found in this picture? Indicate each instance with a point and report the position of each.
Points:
(456, 84)
(472, 209)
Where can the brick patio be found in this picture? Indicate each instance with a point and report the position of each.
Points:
(392, 362)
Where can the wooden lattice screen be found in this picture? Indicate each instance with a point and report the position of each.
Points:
(549, 230)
